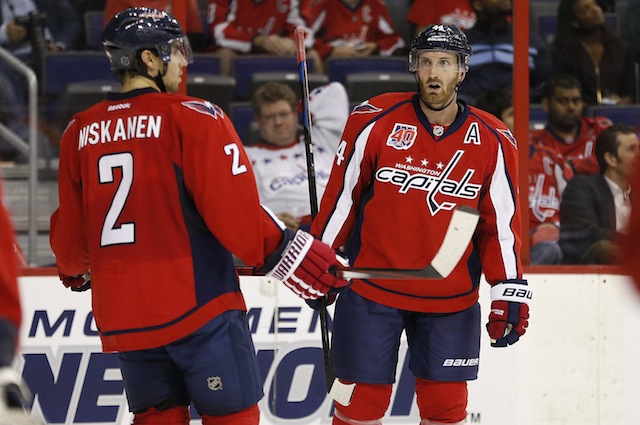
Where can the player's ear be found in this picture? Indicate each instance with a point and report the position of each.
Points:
(147, 58)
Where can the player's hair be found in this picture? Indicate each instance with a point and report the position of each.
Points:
(607, 141)
(563, 81)
(141, 28)
(440, 37)
(272, 92)
(495, 101)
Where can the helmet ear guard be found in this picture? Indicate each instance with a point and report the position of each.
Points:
(440, 37)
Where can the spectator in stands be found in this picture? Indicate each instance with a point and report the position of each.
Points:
(278, 159)
(596, 208)
(587, 48)
(548, 176)
(453, 12)
(491, 65)
(266, 27)
(29, 29)
(498, 102)
(193, 24)
(354, 28)
(568, 132)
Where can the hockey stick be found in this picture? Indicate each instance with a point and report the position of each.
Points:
(456, 240)
(301, 57)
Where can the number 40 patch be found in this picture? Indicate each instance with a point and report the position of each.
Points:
(402, 136)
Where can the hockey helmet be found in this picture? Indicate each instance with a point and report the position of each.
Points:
(141, 28)
(440, 37)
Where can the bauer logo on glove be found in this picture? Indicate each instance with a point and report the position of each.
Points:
(509, 315)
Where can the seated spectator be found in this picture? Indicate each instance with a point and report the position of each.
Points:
(193, 24)
(498, 102)
(266, 27)
(587, 48)
(491, 65)
(596, 208)
(568, 132)
(354, 28)
(548, 176)
(278, 158)
(29, 30)
(452, 12)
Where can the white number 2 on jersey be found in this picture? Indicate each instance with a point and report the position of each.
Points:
(233, 150)
(125, 233)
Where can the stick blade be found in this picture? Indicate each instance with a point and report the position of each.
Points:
(459, 233)
(456, 240)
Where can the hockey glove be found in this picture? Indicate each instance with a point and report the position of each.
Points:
(78, 283)
(306, 266)
(509, 315)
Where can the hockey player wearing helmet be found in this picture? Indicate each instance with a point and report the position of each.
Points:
(156, 196)
(419, 156)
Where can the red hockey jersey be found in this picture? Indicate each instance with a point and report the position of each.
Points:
(392, 190)
(580, 152)
(156, 193)
(235, 23)
(9, 299)
(339, 24)
(548, 176)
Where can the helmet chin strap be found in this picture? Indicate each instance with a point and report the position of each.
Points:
(158, 78)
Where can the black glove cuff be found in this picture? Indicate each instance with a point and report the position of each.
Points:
(271, 261)
(8, 338)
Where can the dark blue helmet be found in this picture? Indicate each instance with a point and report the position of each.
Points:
(440, 37)
(143, 28)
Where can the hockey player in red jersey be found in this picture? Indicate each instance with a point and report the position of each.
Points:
(156, 194)
(406, 161)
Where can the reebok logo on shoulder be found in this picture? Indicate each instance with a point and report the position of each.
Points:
(118, 106)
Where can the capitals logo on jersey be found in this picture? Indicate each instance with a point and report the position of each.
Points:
(204, 107)
(402, 136)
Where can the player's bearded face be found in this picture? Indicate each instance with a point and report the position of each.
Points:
(438, 74)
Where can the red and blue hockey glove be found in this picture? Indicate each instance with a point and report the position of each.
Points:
(305, 266)
(78, 283)
(509, 315)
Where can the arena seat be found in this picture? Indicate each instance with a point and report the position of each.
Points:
(362, 86)
(64, 68)
(241, 114)
(339, 68)
(80, 96)
(93, 20)
(246, 65)
(204, 63)
(291, 79)
(218, 89)
(619, 114)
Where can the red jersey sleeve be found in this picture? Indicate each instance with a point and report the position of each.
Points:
(9, 299)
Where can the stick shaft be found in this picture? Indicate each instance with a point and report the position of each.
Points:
(313, 194)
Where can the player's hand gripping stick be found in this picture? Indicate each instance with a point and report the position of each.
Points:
(307, 267)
